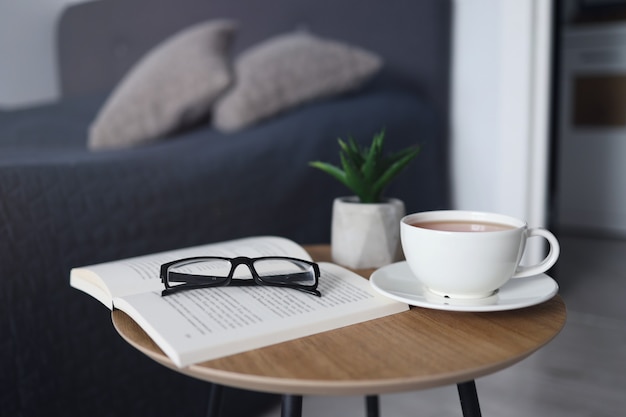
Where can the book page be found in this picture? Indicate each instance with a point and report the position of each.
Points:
(198, 325)
(140, 274)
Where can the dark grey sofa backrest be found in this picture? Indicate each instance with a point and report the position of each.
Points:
(99, 41)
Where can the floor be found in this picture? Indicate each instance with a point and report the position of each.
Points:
(581, 373)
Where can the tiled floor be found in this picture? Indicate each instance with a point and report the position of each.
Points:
(582, 373)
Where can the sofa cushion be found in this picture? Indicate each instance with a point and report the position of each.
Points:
(288, 70)
(172, 86)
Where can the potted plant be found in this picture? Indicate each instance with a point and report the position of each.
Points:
(365, 230)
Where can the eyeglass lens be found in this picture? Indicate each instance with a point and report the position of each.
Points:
(283, 271)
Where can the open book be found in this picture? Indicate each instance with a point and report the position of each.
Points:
(203, 324)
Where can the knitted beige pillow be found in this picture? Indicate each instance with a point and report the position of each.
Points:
(286, 71)
(173, 85)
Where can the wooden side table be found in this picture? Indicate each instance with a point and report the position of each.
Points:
(417, 349)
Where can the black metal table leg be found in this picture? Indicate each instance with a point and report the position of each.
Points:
(469, 399)
(372, 406)
(292, 406)
(215, 400)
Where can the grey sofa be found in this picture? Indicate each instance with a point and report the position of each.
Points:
(63, 206)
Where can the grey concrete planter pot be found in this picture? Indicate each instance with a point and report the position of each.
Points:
(366, 235)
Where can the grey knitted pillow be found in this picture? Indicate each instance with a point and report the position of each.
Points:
(286, 71)
(173, 85)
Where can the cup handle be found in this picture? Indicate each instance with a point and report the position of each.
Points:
(549, 260)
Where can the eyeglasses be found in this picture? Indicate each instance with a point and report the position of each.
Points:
(215, 271)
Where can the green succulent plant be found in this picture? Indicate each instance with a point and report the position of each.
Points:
(366, 171)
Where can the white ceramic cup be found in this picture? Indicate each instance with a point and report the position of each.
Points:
(470, 264)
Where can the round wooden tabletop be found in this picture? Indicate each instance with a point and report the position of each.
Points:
(416, 349)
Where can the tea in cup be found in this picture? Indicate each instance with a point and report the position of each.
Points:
(469, 254)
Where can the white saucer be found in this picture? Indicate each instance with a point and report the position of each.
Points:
(398, 282)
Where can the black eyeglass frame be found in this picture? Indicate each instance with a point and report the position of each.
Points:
(196, 281)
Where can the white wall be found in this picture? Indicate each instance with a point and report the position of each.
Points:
(500, 106)
(474, 103)
(27, 56)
